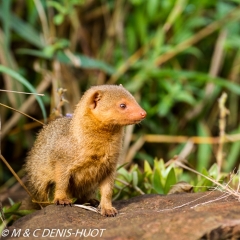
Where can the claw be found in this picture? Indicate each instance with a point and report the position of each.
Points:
(111, 212)
(64, 202)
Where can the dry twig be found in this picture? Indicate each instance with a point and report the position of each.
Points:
(222, 125)
(211, 28)
(154, 138)
(130, 185)
(39, 94)
(25, 106)
(26, 115)
(226, 188)
(16, 176)
(133, 149)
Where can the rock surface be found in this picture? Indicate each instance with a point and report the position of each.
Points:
(142, 217)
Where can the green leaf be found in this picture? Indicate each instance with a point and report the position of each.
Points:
(11, 201)
(58, 19)
(184, 96)
(159, 165)
(147, 168)
(171, 180)
(232, 158)
(144, 156)
(86, 62)
(152, 7)
(135, 178)
(22, 213)
(52, 49)
(157, 185)
(125, 174)
(32, 16)
(213, 171)
(58, 6)
(137, 83)
(165, 105)
(2, 227)
(23, 29)
(196, 76)
(6, 5)
(232, 42)
(22, 80)
(131, 39)
(204, 152)
(204, 172)
(223, 9)
(141, 26)
(136, 2)
(35, 53)
(203, 184)
(12, 208)
(7, 221)
(122, 165)
(158, 44)
(141, 176)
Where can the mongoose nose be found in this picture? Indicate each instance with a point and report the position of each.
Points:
(143, 114)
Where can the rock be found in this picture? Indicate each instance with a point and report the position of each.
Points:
(142, 217)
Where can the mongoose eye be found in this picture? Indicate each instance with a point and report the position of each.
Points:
(123, 105)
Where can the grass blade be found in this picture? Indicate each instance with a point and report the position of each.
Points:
(204, 152)
(82, 61)
(22, 80)
(6, 23)
(23, 29)
(86, 62)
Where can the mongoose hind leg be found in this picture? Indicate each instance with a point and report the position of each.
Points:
(62, 181)
(90, 202)
(93, 202)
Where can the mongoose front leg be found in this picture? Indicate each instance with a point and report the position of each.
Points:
(62, 181)
(106, 188)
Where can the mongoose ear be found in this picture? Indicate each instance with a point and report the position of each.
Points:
(96, 97)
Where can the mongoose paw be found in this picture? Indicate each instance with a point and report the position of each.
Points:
(110, 212)
(63, 202)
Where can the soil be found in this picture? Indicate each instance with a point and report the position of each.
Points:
(143, 217)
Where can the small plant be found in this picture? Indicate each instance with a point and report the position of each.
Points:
(10, 214)
(160, 179)
(203, 184)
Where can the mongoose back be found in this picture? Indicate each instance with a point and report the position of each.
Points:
(79, 154)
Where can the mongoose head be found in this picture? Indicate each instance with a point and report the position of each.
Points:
(113, 105)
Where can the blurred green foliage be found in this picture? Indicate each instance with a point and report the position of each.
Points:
(159, 179)
(176, 56)
(11, 214)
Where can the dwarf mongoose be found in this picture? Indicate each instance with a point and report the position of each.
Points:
(78, 154)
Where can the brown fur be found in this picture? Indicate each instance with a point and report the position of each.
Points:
(80, 154)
